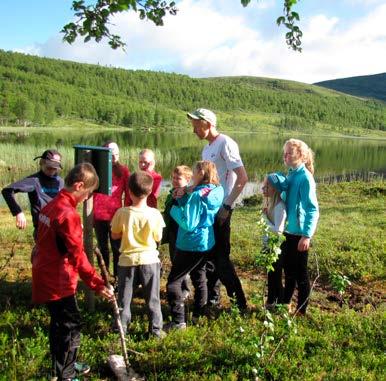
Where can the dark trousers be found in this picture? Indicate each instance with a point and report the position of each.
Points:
(129, 277)
(172, 253)
(275, 283)
(193, 263)
(220, 267)
(64, 336)
(296, 272)
(103, 234)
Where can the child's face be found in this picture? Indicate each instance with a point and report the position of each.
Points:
(49, 171)
(146, 162)
(197, 177)
(81, 193)
(268, 189)
(290, 156)
(179, 181)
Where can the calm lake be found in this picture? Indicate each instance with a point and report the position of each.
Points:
(335, 158)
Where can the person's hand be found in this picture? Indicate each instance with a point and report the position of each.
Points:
(107, 293)
(304, 244)
(222, 215)
(21, 221)
(179, 192)
(265, 211)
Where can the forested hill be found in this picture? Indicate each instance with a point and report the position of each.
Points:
(368, 86)
(39, 90)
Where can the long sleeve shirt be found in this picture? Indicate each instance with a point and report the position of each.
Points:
(59, 253)
(41, 190)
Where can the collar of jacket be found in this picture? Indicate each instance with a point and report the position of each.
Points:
(292, 171)
(69, 196)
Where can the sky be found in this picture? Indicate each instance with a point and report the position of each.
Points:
(209, 38)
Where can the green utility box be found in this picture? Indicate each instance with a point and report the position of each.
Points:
(101, 159)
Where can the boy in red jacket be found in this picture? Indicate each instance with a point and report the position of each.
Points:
(146, 163)
(58, 260)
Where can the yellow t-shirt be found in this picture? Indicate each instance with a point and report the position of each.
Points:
(141, 229)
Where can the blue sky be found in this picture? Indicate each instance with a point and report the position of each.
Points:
(215, 38)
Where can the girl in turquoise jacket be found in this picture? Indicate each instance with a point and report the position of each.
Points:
(194, 214)
(302, 217)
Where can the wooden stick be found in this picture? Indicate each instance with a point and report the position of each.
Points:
(118, 322)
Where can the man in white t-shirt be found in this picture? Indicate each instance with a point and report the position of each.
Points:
(224, 153)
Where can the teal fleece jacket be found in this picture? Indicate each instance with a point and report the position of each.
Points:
(302, 205)
(195, 216)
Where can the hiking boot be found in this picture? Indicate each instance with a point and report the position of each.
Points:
(81, 368)
(172, 325)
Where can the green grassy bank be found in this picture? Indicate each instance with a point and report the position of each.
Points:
(342, 338)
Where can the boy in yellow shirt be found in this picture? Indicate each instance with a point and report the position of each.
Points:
(140, 228)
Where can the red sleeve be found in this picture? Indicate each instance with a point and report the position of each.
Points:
(157, 180)
(72, 234)
(126, 174)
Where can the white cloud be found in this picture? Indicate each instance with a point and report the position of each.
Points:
(207, 39)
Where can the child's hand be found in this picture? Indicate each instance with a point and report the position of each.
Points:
(180, 192)
(107, 293)
(304, 244)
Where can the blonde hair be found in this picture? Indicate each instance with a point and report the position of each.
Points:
(84, 172)
(184, 171)
(148, 151)
(302, 152)
(272, 201)
(210, 175)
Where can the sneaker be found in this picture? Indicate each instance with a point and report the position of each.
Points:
(71, 379)
(81, 368)
(159, 335)
(270, 306)
(172, 325)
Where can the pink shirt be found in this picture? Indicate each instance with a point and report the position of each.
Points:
(105, 206)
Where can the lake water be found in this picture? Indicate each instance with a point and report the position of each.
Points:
(262, 153)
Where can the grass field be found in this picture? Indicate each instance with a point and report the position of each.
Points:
(342, 338)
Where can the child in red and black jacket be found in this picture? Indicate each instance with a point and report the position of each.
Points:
(58, 259)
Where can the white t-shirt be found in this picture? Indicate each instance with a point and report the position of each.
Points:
(224, 153)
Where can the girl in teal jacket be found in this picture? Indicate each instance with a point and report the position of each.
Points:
(302, 217)
(194, 214)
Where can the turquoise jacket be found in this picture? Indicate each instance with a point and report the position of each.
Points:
(302, 205)
(195, 216)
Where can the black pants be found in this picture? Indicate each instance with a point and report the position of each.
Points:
(275, 283)
(296, 272)
(172, 252)
(64, 336)
(193, 263)
(220, 267)
(103, 234)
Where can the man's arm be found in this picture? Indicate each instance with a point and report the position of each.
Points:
(241, 180)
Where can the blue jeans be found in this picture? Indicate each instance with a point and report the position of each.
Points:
(130, 277)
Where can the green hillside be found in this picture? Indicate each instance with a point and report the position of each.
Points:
(368, 86)
(38, 90)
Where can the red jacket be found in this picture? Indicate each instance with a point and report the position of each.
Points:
(105, 206)
(60, 256)
(152, 198)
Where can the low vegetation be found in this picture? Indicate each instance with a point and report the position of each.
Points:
(342, 338)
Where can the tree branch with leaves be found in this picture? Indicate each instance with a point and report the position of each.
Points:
(93, 20)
